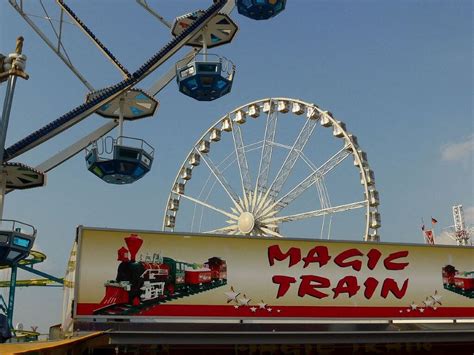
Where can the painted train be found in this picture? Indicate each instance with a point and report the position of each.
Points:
(158, 278)
(459, 282)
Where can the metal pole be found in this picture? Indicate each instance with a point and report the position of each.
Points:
(41, 273)
(204, 42)
(121, 103)
(3, 191)
(11, 296)
(7, 105)
(154, 13)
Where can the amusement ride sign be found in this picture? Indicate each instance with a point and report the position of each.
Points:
(152, 274)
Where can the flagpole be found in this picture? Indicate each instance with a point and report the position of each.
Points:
(423, 230)
(433, 222)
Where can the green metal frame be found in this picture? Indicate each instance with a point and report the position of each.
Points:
(13, 285)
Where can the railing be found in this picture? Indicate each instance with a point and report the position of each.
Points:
(11, 225)
(105, 147)
(227, 67)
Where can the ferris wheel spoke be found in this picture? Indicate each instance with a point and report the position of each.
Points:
(316, 176)
(268, 231)
(205, 204)
(316, 213)
(267, 149)
(292, 156)
(200, 196)
(241, 159)
(220, 177)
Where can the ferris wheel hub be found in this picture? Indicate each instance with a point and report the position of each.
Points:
(246, 222)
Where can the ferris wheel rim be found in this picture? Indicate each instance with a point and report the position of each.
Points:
(370, 231)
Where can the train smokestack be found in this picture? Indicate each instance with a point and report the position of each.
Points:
(134, 242)
(122, 254)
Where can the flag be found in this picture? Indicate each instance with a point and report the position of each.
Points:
(433, 221)
(429, 237)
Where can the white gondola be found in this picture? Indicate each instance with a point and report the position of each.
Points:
(179, 188)
(215, 135)
(204, 146)
(363, 158)
(297, 108)
(186, 173)
(194, 159)
(254, 111)
(226, 125)
(375, 220)
(173, 204)
(369, 177)
(267, 106)
(373, 198)
(351, 142)
(339, 129)
(283, 106)
(170, 221)
(326, 120)
(239, 117)
(313, 113)
(373, 237)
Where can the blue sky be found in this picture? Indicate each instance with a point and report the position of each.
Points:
(398, 73)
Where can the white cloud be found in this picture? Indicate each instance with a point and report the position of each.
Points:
(469, 215)
(445, 238)
(459, 150)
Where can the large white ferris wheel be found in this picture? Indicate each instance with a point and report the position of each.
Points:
(256, 172)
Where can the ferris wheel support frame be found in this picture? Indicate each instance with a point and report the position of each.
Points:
(160, 18)
(64, 8)
(4, 119)
(27, 265)
(56, 49)
(82, 143)
(113, 92)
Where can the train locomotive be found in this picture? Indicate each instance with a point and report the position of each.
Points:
(158, 279)
(461, 282)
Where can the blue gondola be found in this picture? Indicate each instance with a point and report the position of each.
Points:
(207, 77)
(128, 160)
(16, 241)
(260, 9)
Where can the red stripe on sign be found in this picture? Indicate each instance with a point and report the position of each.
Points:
(168, 310)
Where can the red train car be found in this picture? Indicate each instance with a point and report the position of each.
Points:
(449, 272)
(461, 282)
(465, 280)
(218, 268)
(198, 276)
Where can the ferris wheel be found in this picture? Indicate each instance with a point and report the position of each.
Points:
(257, 172)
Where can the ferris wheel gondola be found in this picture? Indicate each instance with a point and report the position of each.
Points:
(206, 77)
(127, 159)
(260, 9)
(257, 207)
